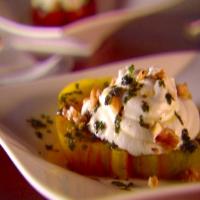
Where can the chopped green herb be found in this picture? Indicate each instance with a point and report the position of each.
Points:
(188, 145)
(105, 84)
(96, 106)
(128, 95)
(71, 141)
(99, 126)
(169, 98)
(39, 134)
(36, 123)
(66, 95)
(118, 120)
(79, 134)
(145, 106)
(139, 86)
(115, 91)
(112, 146)
(127, 80)
(142, 123)
(123, 186)
(132, 91)
(131, 69)
(179, 118)
(108, 99)
(161, 83)
(185, 135)
(117, 123)
(135, 86)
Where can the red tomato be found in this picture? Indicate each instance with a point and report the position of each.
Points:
(61, 16)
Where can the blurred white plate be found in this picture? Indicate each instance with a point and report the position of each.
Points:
(84, 35)
(80, 38)
(23, 101)
(17, 66)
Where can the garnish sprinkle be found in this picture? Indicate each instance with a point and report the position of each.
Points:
(131, 69)
(179, 118)
(127, 80)
(123, 186)
(71, 141)
(36, 123)
(115, 91)
(169, 98)
(117, 123)
(96, 106)
(142, 123)
(65, 95)
(39, 134)
(112, 145)
(161, 83)
(145, 106)
(188, 145)
(99, 126)
(128, 95)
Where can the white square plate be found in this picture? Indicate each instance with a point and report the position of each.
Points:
(22, 101)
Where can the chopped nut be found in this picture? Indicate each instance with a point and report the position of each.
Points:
(112, 82)
(159, 75)
(183, 91)
(94, 97)
(156, 129)
(141, 75)
(72, 114)
(85, 100)
(64, 111)
(116, 104)
(153, 181)
(167, 139)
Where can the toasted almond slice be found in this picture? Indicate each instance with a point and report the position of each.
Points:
(141, 75)
(183, 91)
(94, 96)
(72, 114)
(64, 112)
(85, 100)
(112, 82)
(116, 104)
(156, 129)
(167, 139)
(159, 75)
(153, 181)
(98, 93)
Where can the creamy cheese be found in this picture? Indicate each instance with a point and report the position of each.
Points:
(152, 106)
(45, 5)
(52, 5)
